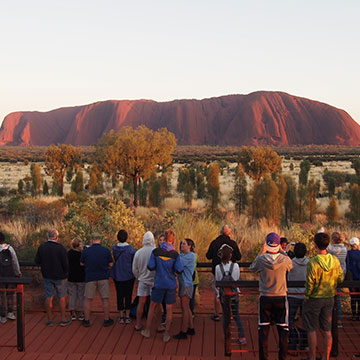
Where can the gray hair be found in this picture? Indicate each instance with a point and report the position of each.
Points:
(225, 230)
(53, 234)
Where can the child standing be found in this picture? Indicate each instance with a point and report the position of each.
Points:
(232, 269)
(76, 280)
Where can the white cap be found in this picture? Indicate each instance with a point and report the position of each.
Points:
(354, 241)
(321, 230)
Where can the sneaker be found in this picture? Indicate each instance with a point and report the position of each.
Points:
(166, 337)
(73, 317)
(145, 333)
(180, 336)
(65, 323)
(3, 319)
(339, 324)
(138, 328)
(86, 323)
(242, 341)
(127, 320)
(50, 324)
(11, 316)
(190, 331)
(161, 329)
(163, 319)
(108, 322)
(121, 320)
(81, 317)
(215, 317)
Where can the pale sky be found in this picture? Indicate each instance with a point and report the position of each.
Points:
(74, 52)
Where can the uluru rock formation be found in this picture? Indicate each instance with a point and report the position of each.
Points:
(259, 118)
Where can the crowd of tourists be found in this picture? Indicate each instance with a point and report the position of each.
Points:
(162, 273)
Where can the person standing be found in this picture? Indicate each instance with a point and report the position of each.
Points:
(353, 267)
(231, 270)
(338, 249)
(123, 276)
(296, 296)
(273, 266)
(186, 288)
(97, 260)
(166, 262)
(323, 276)
(76, 280)
(144, 276)
(213, 255)
(9, 267)
(53, 260)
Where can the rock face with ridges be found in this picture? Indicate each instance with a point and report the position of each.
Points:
(260, 118)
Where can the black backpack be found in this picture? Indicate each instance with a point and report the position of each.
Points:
(227, 276)
(6, 266)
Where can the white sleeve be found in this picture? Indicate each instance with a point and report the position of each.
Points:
(236, 272)
(218, 275)
(15, 261)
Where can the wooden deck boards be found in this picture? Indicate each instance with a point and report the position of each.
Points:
(122, 342)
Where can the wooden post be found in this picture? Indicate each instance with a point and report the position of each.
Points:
(20, 317)
(227, 319)
(334, 329)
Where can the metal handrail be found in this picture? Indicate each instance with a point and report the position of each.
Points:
(20, 319)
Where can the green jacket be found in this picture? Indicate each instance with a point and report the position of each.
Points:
(323, 276)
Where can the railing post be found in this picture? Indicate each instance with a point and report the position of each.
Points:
(20, 317)
(227, 321)
(334, 329)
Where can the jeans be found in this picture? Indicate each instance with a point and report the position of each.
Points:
(234, 304)
(297, 335)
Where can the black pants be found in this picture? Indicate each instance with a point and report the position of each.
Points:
(124, 291)
(273, 309)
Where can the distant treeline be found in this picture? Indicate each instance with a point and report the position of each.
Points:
(187, 154)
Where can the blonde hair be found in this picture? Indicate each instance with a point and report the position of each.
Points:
(75, 243)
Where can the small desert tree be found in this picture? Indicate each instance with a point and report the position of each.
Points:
(35, 172)
(305, 166)
(240, 193)
(354, 213)
(313, 190)
(291, 200)
(135, 153)
(58, 160)
(265, 202)
(332, 211)
(259, 161)
(213, 185)
(77, 185)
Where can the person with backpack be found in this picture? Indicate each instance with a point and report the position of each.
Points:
(213, 255)
(9, 267)
(273, 266)
(186, 288)
(230, 271)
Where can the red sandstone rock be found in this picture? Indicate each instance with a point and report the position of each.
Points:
(260, 118)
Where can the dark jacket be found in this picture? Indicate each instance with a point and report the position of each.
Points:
(212, 253)
(123, 258)
(165, 260)
(76, 271)
(52, 258)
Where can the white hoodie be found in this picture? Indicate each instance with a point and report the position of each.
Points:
(141, 259)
